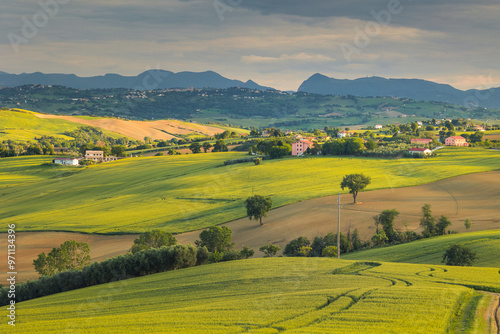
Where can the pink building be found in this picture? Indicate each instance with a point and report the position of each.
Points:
(299, 147)
(421, 141)
(455, 141)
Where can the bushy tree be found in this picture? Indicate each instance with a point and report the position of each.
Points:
(442, 224)
(216, 238)
(118, 150)
(386, 219)
(379, 238)
(206, 146)
(153, 239)
(220, 146)
(258, 206)
(195, 147)
(294, 247)
(70, 255)
(355, 183)
(246, 252)
(329, 251)
(458, 255)
(270, 250)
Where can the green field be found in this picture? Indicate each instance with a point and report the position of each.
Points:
(183, 193)
(23, 125)
(486, 244)
(274, 295)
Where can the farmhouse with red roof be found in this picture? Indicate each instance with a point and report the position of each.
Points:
(299, 147)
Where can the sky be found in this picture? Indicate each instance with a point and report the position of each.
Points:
(276, 43)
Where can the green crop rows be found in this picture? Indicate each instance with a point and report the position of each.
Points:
(274, 295)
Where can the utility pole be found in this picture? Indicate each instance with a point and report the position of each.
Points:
(338, 227)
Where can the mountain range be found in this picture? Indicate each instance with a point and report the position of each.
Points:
(149, 80)
(415, 89)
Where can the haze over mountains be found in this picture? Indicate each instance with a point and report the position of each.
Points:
(416, 89)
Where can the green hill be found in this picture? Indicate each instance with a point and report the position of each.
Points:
(23, 125)
(189, 192)
(275, 295)
(486, 244)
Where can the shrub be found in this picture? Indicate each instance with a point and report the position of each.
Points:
(458, 255)
(270, 250)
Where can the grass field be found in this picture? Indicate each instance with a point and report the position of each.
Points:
(486, 244)
(275, 295)
(183, 193)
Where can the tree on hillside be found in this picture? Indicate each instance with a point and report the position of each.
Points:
(270, 250)
(458, 255)
(427, 222)
(258, 206)
(153, 239)
(386, 219)
(379, 238)
(216, 238)
(118, 150)
(206, 146)
(468, 224)
(70, 255)
(329, 251)
(355, 183)
(220, 146)
(294, 247)
(441, 225)
(195, 147)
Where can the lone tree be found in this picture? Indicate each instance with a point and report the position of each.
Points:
(355, 183)
(70, 255)
(258, 206)
(458, 255)
(270, 250)
(468, 224)
(153, 239)
(216, 238)
(428, 222)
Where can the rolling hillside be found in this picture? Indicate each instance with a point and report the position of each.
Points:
(455, 197)
(276, 295)
(183, 193)
(23, 125)
(486, 244)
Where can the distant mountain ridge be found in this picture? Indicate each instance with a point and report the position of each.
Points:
(149, 80)
(416, 89)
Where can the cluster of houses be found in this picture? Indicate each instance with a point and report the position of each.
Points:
(96, 156)
(300, 147)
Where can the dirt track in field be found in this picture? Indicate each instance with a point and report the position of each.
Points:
(475, 196)
(139, 129)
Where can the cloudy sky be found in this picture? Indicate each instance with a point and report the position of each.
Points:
(277, 43)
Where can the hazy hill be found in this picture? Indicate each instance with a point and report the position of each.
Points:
(152, 79)
(403, 88)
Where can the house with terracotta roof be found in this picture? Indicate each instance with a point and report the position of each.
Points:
(379, 126)
(342, 134)
(301, 146)
(423, 151)
(421, 141)
(456, 141)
